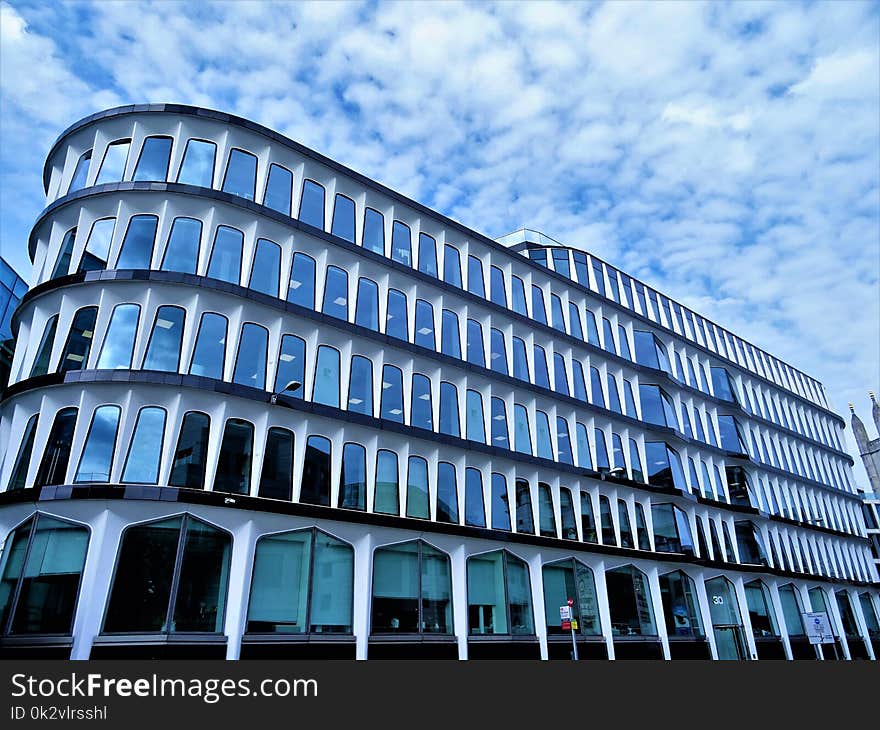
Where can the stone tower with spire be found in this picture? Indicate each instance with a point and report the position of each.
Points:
(869, 449)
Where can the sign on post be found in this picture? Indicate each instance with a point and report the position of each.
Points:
(565, 613)
(818, 627)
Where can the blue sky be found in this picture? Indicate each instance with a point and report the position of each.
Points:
(728, 154)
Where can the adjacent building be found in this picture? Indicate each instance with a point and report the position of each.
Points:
(263, 406)
(12, 289)
(869, 451)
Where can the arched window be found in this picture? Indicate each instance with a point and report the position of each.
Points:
(342, 224)
(250, 364)
(417, 499)
(326, 389)
(500, 503)
(450, 339)
(80, 173)
(163, 349)
(137, 246)
(401, 243)
(311, 205)
(266, 271)
(626, 536)
(335, 301)
(560, 374)
(225, 263)
(520, 360)
(474, 509)
(302, 583)
(525, 520)
(427, 255)
(499, 595)
(96, 461)
(539, 311)
(279, 186)
(276, 478)
(499, 424)
(374, 231)
(113, 165)
(476, 353)
(602, 463)
(40, 572)
(571, 580)
(209, 353)
(497, 288)
(75, 355)
(235, 456)
(171, 576)
(451, 265)
(386, 498)
(498, 352)
(412, 590)
(396, 324)
(302, 281)
(424, 336)
(475, 283)
(353, 480)
(791, 610)
(241, 174)
(182, 249)
(191, 455)
(474, 418)
(315, 487)
(546, 515)
(391, 406)
(542, 434)
(760, 607)
(542, 375)
(556, 316)
(518, 296)
(680, 606)
(118, 345)
(65, 253)
(449, 419)
(367, 307)
(447, 493)
(56, 455)
(197, 167)
(154, 158)
(291, 365)
(360, 386)
(629, 601)
(421, 414)
(145, 451)
(18, 480)
(522, 436)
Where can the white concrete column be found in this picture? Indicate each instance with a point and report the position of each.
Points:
(749, 635)
(863, 626)
(706, 615)
(602, 604)
(363, 563)
(780, 619)
(837, 622)
(537, 576)
(240, 569)
(458, 559)
(657, 607)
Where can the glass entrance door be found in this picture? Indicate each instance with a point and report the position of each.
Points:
(726, 621)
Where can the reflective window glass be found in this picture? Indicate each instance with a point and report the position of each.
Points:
(326, 388)
(302, 281)
(500, 503)
(474, 511)
(97, 454)
(182, 250)
(499, 595)
(546, 516)
(449, 419)
(427, 255)
(291, 365)
(98, 245)
(522, 437)
(497, 287)
(113, 165)
(401, 243)
(417, 504)
(525, 520)
(336, 293)
(163, 350)
(65, 253)
(476, 354)
(560, 376)
(279, 185)
(387, 494)
(241, 174)
(542, 434)
(250, 364)
(360, 386)
(137, 246)
(563, 441)
(476, 285)
(518, 296)
(542, 375)
(353, 480)
(396, 315)
(225, 261)
(342, 224)
(447, 493)
(18, 479)
(197, 167)
(626, 535)
(476, 430)
(374, 231)
(234, 460)
(367, 307)
(629, 600)
(680, 607)
(450, 339)
(498, 356)
(451, 265)
(499, 424)
(539, 312)
(56, 454)
(266, 271)
(421, 412)
(210, 349)
(118, 345)
(391, 406)
(588, 519)
(571, 580)
(75, 355)
(81, 173)
(145, 451)
(424, 336)
(311, 206)
(191, 454)
(315, 487)
(153, 162)
(520, 360)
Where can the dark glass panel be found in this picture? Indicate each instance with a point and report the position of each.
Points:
(145, 451)
(191, 454)
(276, 478)
(56, 455)
(163, 349)
(353, 481)
(153, 162)
(315, 487)
(96, 461)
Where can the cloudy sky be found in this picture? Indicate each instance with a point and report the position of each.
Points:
(727, 154)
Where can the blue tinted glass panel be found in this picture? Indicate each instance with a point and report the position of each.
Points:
(592, 329)
(342, 224)
(353, 481)
(311, 207)
(474, 512)
(602, 463)
(266, 272)
(563, 441)
(421, 413)
(391, 407)
(450, 340)
(476, 284)
(182, 250)
(449, 419)
(44, 353)
(396, 316)
(417, 504)
(522, 436)
(498, 352)
(609, 336)
(198, 163)
(226, 255)
(476, 355)
(137, 246)
(250, 365)
(336, 293)
(451, 265)
(598, 397)
(278, 189)
(476, 429)
(427, 255)
(542, 375)
(520, 361)
(97, 455)
(81, 173)
(233, 475)
(326, 388)
(574, 318)
(118, 344)
(500, 503)
(163, 351)
(98, 245)
(580, 385)
(291, 365)
(425, 325)
(210, 349)
(560, 262)
(539, 312)
(497, 288)
(65, 252)
(518, 291)
(525, 519)
(499, 424)
(302, 281)
(360, 386)
(613, 395)
(374, 231)
(367, 308)
(556, 311)
(113, 166)
(387, 495)
(542, 431)
(560, 376)
(401, 243)
(241, 174)
(153, 162)
(145, 452)
(447, 493)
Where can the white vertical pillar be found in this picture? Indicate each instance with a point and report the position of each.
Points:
(863, 626)
(603, 607)
(535, 568)
(706, 615)
(749, 635)
(363, 558)
(780, 620)
(240, 564)
(458, 560)
(657, 607)
(837, 622)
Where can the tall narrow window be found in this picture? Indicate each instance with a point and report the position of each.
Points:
(546, 516)
(342, 224)
(447, 493)
(326, 389)
(97, 455)
(592, 329)
(386, 499)
(396, 324)
(499, 595)
(391, 406)
(279, 185)
(450, 339)
(500, 503)
(475, 283)
(302, 281)
(597, 397)
(225, 261)
(542, 375)
(171, 576)
(602, 464)
(197, 167)
(680, 606)
(81, 173)
(539, 311)
(476, 354)
(588, 519)
(522, 436)
(163, 350)
(417, 500)
(579, 380)
(585, 459)
(560, 374)
(626, 535)
(474, 509)
(266, 271)
(635, 461)
(497, 288)
(137, 246)
(451, 265)
(40, 574)
(500, 436)
(291, 365)
(421, 413)
(75, 355)
(18, 480)
(474, 419)
(427, 255)
(520, 359)
(153, 162)
(311, 206)
(449, 419)
(374, 231)
(209, 353)
(241, 174)
(353, 480)
(315, 488)
(574, 318)
(182, 250)
(563, 441)
(65, 253)
(401, 243)
(118, 345)
(558, 319)
(235, 456)
(367, 307)
(613, 395)
(606, 521)
(360, 386)
(97, 248)
(113, 164)
(145, 452)
(542, 435)
(336, 293)
(525, 520)
(56, 455)
(250, 365)
(498, 350)
(424, 336)
(191, 454)
(608, 336)
(624, 342)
